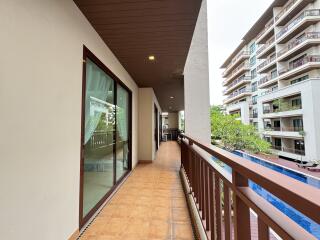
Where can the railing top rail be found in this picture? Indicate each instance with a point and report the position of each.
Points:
(302, 197)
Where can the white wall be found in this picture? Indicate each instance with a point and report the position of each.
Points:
(147, 146)
(40, 102)
(196, 82)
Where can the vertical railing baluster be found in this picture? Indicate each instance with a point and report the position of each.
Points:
(203, 190)
(217, 203)
(227, 212)
(200, 184)
(206, 182)
(211, 200)
(263, 230)
(241, 210)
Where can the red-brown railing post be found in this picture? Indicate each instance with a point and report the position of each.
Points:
(263, 230)
(227, 212)
(211, 200)
(217, 202)
(241, 210)
(207, 202)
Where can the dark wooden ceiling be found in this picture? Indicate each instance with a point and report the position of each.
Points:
(135, 29)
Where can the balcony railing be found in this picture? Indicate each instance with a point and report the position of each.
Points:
(296, 42)
(237, 81)
(282, 109)
(267, 79)
(299, 63)
(266, 28)
(285, 9)
(284, 129)
(266, 45)
(242, 66)
(297, 20)
(254, 115)
(234, 94)
(266, 62)
(235, 59)
(289, 150)
(230, 215)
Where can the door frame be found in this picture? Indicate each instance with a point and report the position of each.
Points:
(156, 128)
(88, 54)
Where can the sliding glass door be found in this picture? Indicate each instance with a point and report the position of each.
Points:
(122, 143)
(105, 149)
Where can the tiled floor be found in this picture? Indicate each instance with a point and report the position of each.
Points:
(149, 205)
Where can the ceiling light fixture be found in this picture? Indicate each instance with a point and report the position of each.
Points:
(172, 97)
(151, 58)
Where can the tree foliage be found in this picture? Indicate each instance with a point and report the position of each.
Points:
(234, 135)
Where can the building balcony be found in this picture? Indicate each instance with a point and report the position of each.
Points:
(237, 95)
(266, 49)
(267, 81)
(237, 83)
(243, 55)
(237, 72)
(267, 65)
(288, 152)
(305, 19)
(287, 132)
(266, 33)
(213, 176)
(282, 112)
(298, 46)
(304, 65)
(291, 9)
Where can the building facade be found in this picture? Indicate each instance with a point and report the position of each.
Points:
(272, 78)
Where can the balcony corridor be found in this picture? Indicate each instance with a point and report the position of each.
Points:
(149, 205)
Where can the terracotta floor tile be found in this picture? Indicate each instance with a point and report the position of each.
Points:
(150, 205)
(182, 231)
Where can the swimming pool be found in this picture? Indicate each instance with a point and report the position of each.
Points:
(305, 222)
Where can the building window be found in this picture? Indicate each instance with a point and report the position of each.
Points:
(253, 60)
(277, 143)
(297, 124)
(296, 102)
(254, 73)
(254, 99)
(274, 74)
(299, 147)
(254, 86)
(300, 79)
(252, 48)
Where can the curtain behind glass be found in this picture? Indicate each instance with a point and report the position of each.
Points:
(122, 113)
(97, 85)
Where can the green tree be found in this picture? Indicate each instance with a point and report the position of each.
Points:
(233, 134)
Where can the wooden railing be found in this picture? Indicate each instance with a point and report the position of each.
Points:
(230, 216)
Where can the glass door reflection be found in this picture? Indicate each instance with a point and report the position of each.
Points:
(122, 132)
(98, 146)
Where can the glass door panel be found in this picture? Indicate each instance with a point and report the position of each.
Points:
(122, 132)
(98, 145)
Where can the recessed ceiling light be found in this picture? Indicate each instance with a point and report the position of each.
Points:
(172, 97)
(151, 58)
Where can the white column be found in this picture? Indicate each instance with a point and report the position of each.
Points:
(196, 82)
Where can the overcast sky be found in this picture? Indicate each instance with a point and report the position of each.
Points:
(229, 20)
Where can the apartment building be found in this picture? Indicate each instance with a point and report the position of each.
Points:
(272, 78)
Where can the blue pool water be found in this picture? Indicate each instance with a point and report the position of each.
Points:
(305, 222)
